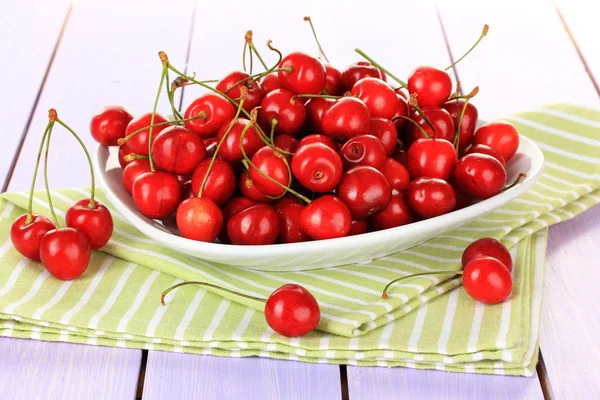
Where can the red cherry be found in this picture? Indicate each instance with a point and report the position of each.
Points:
(484, 149)
(397, 213)
(199, 219)
(307, 74)
(27, 238)
(132, 171)
(487, 247)
(400, 156)
(270, 82)
(386, 131)
(378, 96)
(432, 86)
(230, 149)
(480, 175)
(357, 71)
(230, 86)
(468, 122)
(95, 223)
(156, 194)
(402, 111)
(441, 121)
(286, 143)
(249, 190)
(333, 80)
(365, 191)
(211, 146)
(289, 113)
(487, 280)
(462, 200)
(108, 124)
(396, 174)
(229, 209)
(500, 136)
(431, 158)
(124, 150)
(256, 225)
(292, 311)
(348, 117)
(317, 167)
(291, 225)
(316, 108)
(316, 138)
(358, 227)
(273, 165)
(220, 184)
(326, 218)
(363, 150)
(217, 110)
(287, 199)
(65, 253)
(177, 150)
(138, 144)
(430, 197)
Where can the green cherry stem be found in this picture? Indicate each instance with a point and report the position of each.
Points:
(460, 117)
(312, 27)
(46, 173)
(318, 96)
(210, 285)
(388, 73)
(122, 141)
(244, 55)
(384, 294)
(29, 218)
(483, 33)
(413, 102)
(165, 62)
(254, 50)
(257, 76)
(414, 122)
(171, 97)
(274, 123)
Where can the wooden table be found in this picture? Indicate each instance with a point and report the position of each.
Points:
(78, 56)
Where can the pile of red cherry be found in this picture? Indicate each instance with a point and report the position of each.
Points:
(303, 151)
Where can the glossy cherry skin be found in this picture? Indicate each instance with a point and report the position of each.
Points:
(289, 113)
(96, 223)
(217, 109)
(378, 96)
(500, 136)
(358, 227)
(386, 132)
(365, 191)
(286, 143)
(396, 174)
(220, 184)
(431, 197)
(27, 238)
(316, 108)
(441, 121)
(357, 71)
(347, 118)
(292, 311)
(108, 124)
(401, 111)
(290, 223)
(256, 225)
(270, 82)
(249, 190)
(468, 122)
(333, 80)
(316, 138)
(480, 175)
(307, 75)
(199, 219)
(363, 150)
(211, 146)
(487, 247)
(462, 199)
(484, 149)
(230, 149)
(273, 165)
(326, 217)
(65, 253)
(132, 171)
(232, 207)
(431, 158)
(317, 167)
(156, 194)
(487, 280)
(138, 144)
(123, 151)
(432, 86)
(397, 213)
(230, 86)
(177, 150)
(400, 155)
(286, 200)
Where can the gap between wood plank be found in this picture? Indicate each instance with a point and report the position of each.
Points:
(189, 51)
(142, 376)
(36, 101)
(577, 49)
(543, 376)
(344, 382)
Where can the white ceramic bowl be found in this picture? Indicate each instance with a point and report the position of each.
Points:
(320, 253)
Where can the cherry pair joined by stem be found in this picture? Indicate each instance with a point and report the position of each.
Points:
(26, 234)
(95, 222)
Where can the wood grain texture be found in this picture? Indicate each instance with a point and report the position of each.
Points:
(184, 376)
(32, 369)
(406, 383)
(570, 324)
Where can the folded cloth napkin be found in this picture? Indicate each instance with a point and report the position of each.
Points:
(427, 322)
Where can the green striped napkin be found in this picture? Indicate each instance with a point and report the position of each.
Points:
(428, 322)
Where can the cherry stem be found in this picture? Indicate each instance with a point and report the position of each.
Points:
(460, 118)
(244, 55)
(206, 284)
(483, 33)
(46, 175)
(469, 95)
(122, 141)
(171, 97)
(250, 43)
(162, 79)
(257, 76)
(388, 73)
(29, 218)
(318, 96)
(384, 294)
(132, 156)
(92, 203)
(307, 18)
(274, 123)
(522, 175)
(414, 122)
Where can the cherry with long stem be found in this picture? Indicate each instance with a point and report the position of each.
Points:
(165, 62)
(384, 294)
(123, 140)
(206, 284)
(483, 33)
(388, 73)
(52, 117)
(244, 55)
(171, 97)
(312, 27)
(29, 218)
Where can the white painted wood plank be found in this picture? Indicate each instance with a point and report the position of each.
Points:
(29, 30)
